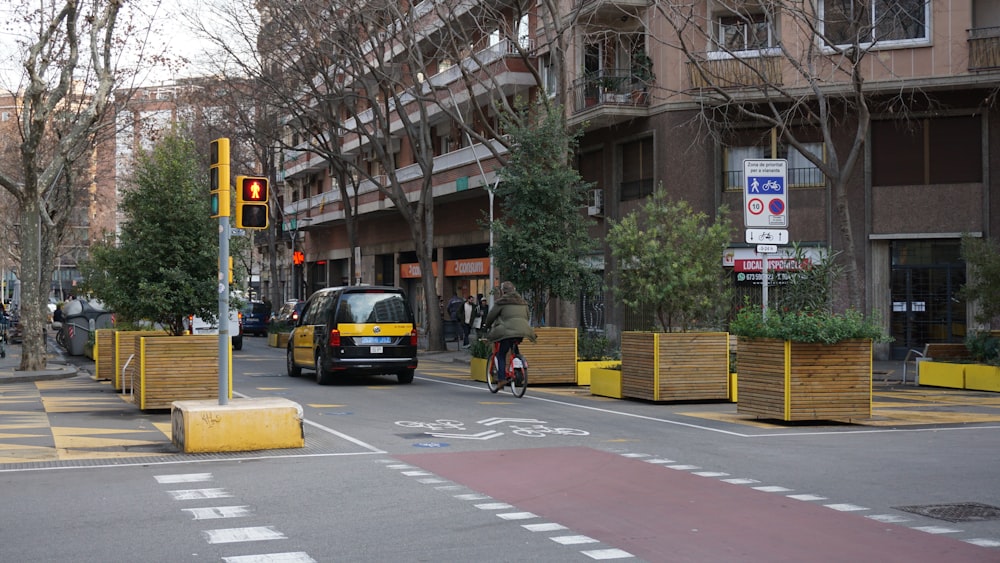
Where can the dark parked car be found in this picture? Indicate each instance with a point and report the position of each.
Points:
(288, 314)
(255, 318)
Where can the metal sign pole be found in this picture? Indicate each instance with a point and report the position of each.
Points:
(763, 287)
(224, 343)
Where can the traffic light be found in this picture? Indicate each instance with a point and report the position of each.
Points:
(219, 178)
(251, 202)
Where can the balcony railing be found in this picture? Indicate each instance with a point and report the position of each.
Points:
(735, 72)
(797, 178)
(610, 87)
(984, 48)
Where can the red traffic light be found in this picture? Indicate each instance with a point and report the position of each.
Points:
(253, 189)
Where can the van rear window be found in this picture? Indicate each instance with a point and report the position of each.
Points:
(373, 308)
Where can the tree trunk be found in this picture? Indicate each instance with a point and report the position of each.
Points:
(33, 297)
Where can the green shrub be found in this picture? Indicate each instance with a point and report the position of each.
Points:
(480, 349)
(593, 347)
(985, 347)
(812, 327)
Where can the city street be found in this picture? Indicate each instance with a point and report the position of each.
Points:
(441, 470)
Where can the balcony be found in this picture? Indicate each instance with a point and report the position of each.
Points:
(610, 97)
(598, 11)
(984, 49)
(735, 72)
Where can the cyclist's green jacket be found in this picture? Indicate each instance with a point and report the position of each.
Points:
(509, 318)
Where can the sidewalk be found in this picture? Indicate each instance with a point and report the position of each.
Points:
(56, 367)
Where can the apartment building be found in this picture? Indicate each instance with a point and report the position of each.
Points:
(658, 90)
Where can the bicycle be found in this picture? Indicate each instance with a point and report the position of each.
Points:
(516, 372)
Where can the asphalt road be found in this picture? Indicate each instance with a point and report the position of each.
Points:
(441, 470)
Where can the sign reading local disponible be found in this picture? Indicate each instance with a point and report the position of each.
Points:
(764, 196)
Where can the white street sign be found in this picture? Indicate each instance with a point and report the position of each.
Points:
(765, 201)
(767, 249)
(767, 236)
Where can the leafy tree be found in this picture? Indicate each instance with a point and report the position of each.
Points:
(983, 258)
(541, 241)
(670, 260)
(164, 268)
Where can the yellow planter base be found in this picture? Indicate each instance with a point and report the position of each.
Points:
(606, 382)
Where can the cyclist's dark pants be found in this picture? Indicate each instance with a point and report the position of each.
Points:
(505, 345)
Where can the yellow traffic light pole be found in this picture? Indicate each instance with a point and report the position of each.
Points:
(220, 208)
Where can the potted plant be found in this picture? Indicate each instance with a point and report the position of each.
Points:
(480, 350)
(593, 350)
(800, 360)
(642, 76)
(669, 263)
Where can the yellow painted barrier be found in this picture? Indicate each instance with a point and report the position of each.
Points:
(242, 425)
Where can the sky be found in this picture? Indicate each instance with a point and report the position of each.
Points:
(171, 34)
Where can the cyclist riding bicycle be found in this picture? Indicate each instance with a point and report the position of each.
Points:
(507, 322)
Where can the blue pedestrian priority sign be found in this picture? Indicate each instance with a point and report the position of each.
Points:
(765, 202)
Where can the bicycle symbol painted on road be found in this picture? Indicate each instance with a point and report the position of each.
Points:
(435, 426)
(530, 428)
(540, 431)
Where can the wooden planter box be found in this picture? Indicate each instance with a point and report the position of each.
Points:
(553, 358)
(123, 348)
(675, 366)
(794, 381)
(606, 382)
(104, 354)
(178, 368)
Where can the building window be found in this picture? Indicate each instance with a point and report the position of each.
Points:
(870, 21)
(637, 169)
(945, 150)
(801, 171)
(743, 32)
(549, 78)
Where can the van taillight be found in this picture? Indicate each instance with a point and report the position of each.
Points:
(334, 337)
(413, 337)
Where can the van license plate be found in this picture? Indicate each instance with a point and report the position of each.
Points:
(376, 350)
(375, 340)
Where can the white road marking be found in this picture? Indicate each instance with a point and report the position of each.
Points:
(431, 481)
(772, 489)
(417, 473)
(196, 494)
(844, 507)
(572, 540)
(605, 554)
(937, 530)
(741, 481)
(183, 478)
(984, 542)
(710, 474)
(472, 496)
(290, 557)
(517, 515)
(807, 497)
(888, 518)
(547, 527)
(659, 460)
(494, 506)
(236, 535)
(212, 512)
(683, 467)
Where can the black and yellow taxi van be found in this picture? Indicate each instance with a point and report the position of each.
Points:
(354, 330)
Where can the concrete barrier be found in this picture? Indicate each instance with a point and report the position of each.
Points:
(243, 425)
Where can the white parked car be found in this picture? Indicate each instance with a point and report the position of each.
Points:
(197, 325)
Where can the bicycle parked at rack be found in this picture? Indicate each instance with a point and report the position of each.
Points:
(516, 370)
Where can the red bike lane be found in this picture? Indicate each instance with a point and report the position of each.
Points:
(662, 514)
